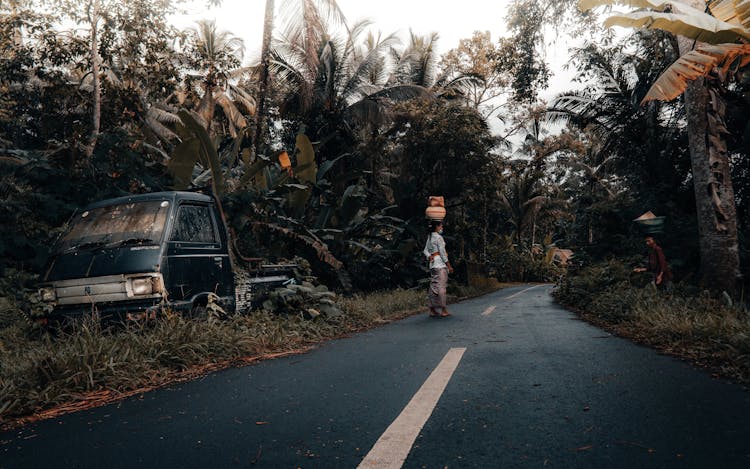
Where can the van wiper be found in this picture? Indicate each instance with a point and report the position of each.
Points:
(89, 245)
(136, 241)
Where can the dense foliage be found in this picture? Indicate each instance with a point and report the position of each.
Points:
(327, 150)
(372, 127)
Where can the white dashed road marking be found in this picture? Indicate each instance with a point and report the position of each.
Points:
(522, 291)
(392, 448)
(490, 309)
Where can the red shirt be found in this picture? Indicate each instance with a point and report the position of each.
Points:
(657, 263)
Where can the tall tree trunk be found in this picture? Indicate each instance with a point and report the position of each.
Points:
(714, 194)
(97, 92)
(207, 105)
(265, 59)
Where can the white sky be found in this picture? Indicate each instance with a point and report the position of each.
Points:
(452, 20)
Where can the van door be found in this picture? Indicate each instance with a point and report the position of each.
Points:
(197, 261)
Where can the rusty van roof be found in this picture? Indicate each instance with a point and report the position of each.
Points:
(172, 196)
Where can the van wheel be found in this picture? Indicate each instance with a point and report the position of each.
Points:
(198, 312)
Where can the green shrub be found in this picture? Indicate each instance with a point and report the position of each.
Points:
(579, 287)
(508, 264)
(686, 322)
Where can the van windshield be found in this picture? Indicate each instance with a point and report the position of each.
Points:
(117, 225)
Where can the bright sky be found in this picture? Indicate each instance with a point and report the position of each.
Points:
(245, 18)
(452, 20)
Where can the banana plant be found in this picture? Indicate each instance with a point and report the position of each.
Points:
(306, 172)
(197, 147)
(715, 47)
(725, 34)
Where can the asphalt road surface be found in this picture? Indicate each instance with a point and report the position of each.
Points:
(511, 380)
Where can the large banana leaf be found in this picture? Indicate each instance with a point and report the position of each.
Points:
(351, 202)
(732, 11)
(196, 147)
(251, 171)
(696, 64)
(161, 131)
(306, 169)
(306, 172)
(327, 165)
(585, 5)
(182, 162)
(233, 114)
(700, 26)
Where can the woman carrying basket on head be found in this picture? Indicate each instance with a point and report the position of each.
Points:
(435, 253)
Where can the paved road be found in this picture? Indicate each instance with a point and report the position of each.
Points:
(535, 387)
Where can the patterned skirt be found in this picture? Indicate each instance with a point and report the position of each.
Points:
(438, 283)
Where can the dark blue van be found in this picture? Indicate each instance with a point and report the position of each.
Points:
(130, 256)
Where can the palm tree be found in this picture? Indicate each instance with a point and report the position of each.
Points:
(263, 82)
(699, 73)
(523, 197)
(634, 136)
(417, 63)
(339, 83)
(216, 56)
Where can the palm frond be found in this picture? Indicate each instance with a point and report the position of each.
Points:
(402, 93)
(243, 98)
(570, 106)
(160, 130)
(371, 61)
(233, 114)
(162, 115)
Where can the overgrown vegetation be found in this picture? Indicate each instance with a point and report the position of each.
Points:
(40, 370)
(711, 331)
(97, 101)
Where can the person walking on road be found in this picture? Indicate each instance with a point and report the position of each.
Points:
(440, 266)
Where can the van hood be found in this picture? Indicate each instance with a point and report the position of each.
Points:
(87, 263)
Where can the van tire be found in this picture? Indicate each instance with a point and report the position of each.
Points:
(199, 312)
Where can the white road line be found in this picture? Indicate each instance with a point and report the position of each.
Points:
(522, 291)
(488, 311)
(393, 446)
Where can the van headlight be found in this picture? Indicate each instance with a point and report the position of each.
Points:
(47, 294)
(144, 285)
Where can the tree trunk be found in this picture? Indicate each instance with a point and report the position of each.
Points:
(714, 194)
(265, 56)
(96, 93)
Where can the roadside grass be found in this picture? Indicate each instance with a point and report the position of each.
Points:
(43, 375)
(688, 323)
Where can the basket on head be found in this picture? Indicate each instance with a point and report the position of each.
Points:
(650, 223)
(435, 208)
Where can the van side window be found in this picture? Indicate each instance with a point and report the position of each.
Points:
(193, 225)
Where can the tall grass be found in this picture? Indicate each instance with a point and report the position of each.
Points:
(39, 370)
(687, 322)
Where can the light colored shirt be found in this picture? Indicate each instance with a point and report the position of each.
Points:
(436, 243)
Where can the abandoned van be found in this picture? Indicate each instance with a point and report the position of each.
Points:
(128, 257)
